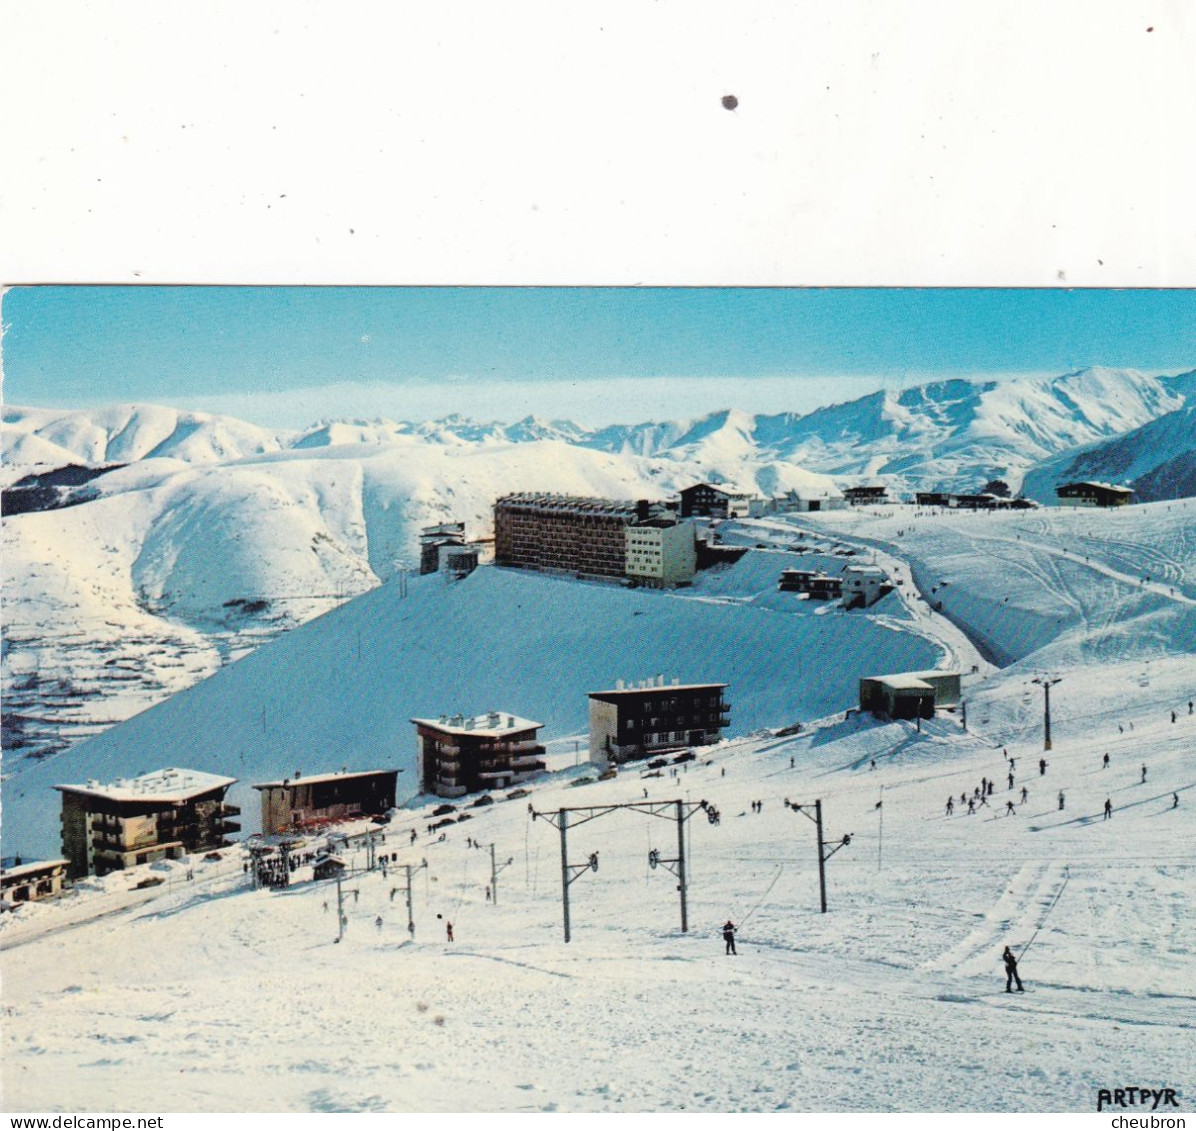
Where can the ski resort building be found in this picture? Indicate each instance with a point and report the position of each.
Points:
(704, 500)
(590, 537)
(628, 723)
(864, 585)
(1093, 495)
(818, 586)
(302, 804)
(164, 814)
(661, 552)
(461, 754)
(862, 496)
(796, 502)
(22, 882)
(909, 695)
(443, 549)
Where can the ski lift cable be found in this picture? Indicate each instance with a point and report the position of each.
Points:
(762, 897)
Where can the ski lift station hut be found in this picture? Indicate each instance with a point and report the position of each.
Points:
(909, 695)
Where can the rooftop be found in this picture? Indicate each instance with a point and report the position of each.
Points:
(169, 785)
(300, 779)
(1094, 483)
(492, 724)
(646, 686)
(31, 867)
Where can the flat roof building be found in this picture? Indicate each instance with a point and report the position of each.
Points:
(589, 536)
(461, 754)
(164, 814)
(26, 881)
(909, 695)
(302, 804)
(628, 723)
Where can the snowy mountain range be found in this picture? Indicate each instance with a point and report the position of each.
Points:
(205, 536)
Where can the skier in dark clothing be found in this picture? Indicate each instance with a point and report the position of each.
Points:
(1011, 974)
(1108, 809)
(1042, 764)
(1025, 795)
(448, 930)
(1175, 801)
(1009, 809)
(729, 937)
(1105, 763)
(1143, 775)
(950, 806)
(1010, 781)
(1060, 800)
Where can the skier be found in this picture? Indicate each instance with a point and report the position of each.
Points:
(1105, 762)
(971, 807)
(729, 937)
(378, 922)
(1012, 765)
(392, 894)
(1060, 800)
(1173, 716)
(791, 763)
(1175, 801)
(412, 836)
(1009, 809)
(990, 789)
(1011, 974)
(984, 785)
(1010, 781)
(487, 893)
(448, 930)
(1025, 794)
(1042, 764)
(1108, 809)
(1143, 775)
(983, 799)
(950, 806)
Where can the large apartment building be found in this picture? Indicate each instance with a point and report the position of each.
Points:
(653, 717)
(593, 538)
(167, 813)
(461, 754)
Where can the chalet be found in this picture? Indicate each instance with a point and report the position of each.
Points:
(306, 803)
(461, 754)
(704, 500)
(164, 814)
(628, 723)
(818, 586)
(909, 695)
(1093, 495)
(980, 502)
(932, 499)
(862, 496)
(23, 882)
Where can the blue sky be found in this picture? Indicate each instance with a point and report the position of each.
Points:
(287, 356)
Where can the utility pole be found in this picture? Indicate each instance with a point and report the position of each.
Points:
(340, 911)
(963, 714)
(495, 868)
(681, 867)
(564, 819)
(679, 811)
(824, 854)
(821, 856)
(1047, 683)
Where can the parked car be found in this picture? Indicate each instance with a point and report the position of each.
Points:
(485, 799)
(441, 810)
(516, 794)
